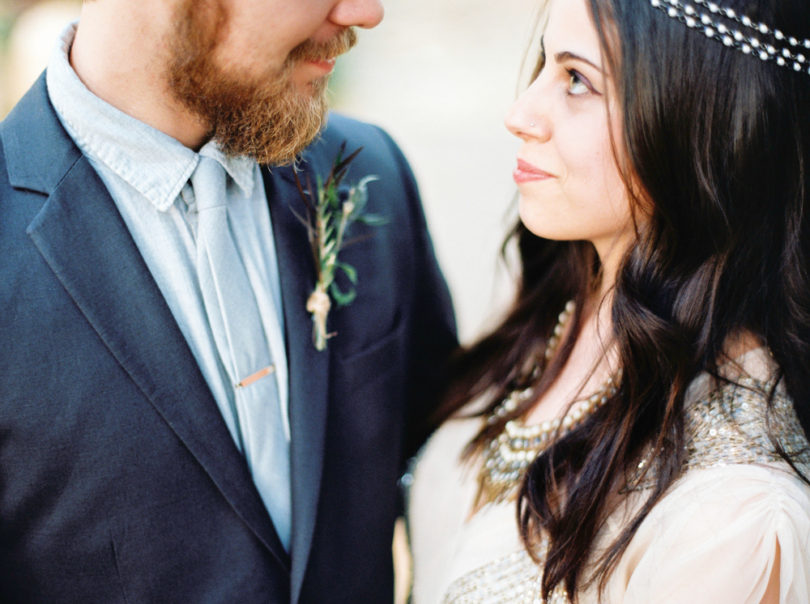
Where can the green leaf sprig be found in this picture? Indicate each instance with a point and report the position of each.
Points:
(327, 218)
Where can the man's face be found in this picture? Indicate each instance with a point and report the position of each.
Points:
(255, 71)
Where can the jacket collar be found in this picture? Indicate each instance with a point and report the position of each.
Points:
(308, 367)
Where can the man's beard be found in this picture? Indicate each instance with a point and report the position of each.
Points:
(268, 118)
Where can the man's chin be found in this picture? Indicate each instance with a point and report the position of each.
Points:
(271, 123)
(275, 139)
(310, 89)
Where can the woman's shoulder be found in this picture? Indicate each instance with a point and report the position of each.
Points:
(745, 417)
(742, 418)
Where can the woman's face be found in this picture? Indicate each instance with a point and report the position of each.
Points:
(569, 182)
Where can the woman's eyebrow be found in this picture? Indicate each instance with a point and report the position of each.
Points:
(566, 55)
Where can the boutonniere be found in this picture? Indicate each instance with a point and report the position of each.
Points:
(329, 212)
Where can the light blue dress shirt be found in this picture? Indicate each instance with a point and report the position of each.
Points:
(147, 174)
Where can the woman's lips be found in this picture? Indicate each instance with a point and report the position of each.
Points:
(526, 172)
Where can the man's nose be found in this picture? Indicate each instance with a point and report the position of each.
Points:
(357, 13)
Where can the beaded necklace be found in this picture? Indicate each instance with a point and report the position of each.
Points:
(506, 457)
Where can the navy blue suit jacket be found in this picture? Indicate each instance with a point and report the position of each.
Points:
(119, 481)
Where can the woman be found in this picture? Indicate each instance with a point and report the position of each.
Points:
(634, 431)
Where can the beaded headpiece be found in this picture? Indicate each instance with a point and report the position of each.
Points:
(740, 32)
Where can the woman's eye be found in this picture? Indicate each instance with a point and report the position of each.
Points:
(577, 85)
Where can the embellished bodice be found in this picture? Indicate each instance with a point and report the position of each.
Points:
(727, 439)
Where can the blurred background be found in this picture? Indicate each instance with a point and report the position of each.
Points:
(439, 75)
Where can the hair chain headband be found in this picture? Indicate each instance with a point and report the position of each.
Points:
(785, 51)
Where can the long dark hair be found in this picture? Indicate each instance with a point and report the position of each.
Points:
(717, 146)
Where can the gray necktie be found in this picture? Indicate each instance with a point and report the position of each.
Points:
(233, 314)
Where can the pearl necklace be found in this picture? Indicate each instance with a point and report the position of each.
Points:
(506, 457)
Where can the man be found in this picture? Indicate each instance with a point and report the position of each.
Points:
(169, 431)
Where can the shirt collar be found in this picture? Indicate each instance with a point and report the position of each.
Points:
(153, 163)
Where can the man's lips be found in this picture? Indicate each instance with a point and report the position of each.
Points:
(526, 172)
(327, 65)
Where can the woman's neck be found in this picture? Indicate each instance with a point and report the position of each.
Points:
(592, 361)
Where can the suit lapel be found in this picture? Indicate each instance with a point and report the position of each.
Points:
(83, 239)
(308, 368)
